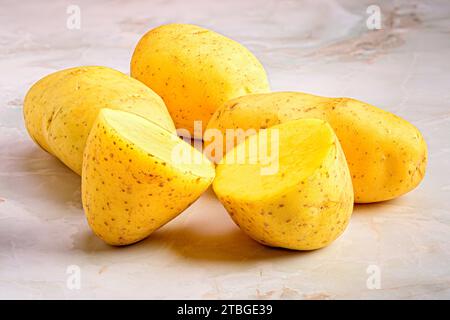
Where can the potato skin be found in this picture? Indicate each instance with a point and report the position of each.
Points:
(195, 70)
(309, 216)
(128, 193)
(387, 155)
(60, 108)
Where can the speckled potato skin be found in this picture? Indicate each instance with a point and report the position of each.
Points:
(307, 217)
(195, 70)
(60, 108)
(386, 154)
(127, 193)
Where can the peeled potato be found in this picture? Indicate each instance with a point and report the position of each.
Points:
(60, 108)
(306, 204)
(387, 155)
(195, 70)
(133, 181)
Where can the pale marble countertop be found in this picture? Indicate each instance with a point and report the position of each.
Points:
(321, 47)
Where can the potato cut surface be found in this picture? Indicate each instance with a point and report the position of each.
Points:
(303, 150)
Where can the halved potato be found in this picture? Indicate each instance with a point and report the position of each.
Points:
(306, 203)
(133, 180)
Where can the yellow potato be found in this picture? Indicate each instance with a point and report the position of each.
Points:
(132, 179)
(387, 155)
(60, 108)
(306, 204)
(195, 70)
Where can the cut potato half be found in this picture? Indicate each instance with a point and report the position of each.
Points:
(306, 204)
(133, 181)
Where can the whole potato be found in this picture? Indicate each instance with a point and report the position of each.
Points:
(305, 204)
(132, 181)
(195, 70)
(60, 108)
(387, 155)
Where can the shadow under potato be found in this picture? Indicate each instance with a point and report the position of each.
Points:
(231, 245)
(376, 207)
(37, 179)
